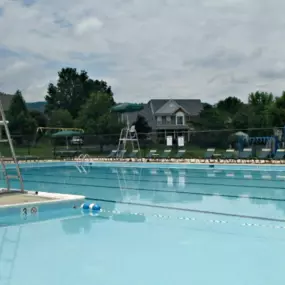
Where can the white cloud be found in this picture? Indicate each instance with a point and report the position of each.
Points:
(145, 49)
(88, 26)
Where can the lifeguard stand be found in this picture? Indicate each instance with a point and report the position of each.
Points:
(128, 135)
(18, 175)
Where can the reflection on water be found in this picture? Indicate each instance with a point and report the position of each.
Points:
(213, 189)
(84, 224)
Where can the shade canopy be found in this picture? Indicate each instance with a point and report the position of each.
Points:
(127, 108)
(241, 134)
(62, 134)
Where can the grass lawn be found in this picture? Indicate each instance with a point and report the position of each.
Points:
(46, 150)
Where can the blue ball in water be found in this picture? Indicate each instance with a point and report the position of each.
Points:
(95, 207)
(85, 206)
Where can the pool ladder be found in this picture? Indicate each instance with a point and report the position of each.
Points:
(80, 163)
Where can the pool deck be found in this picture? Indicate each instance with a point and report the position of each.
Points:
(13, 198)
(164, 161)
(16, 198)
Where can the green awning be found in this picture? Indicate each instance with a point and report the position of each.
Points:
(62, 134)
(127, 108)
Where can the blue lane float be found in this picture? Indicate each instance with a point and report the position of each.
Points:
(91, 207)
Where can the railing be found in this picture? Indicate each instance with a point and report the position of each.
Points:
(195, 142)
(80, 163)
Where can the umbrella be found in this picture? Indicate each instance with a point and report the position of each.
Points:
(241, 134)
(66, 134)
(127, 108)
(63, 134)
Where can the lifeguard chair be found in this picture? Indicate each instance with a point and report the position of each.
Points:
(128, 135)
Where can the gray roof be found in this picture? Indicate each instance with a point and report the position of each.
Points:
(191, 106)
(146, 113)
(6, 100)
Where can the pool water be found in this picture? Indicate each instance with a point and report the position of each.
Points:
(157, 226)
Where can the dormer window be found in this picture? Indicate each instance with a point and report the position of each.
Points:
(180, 118)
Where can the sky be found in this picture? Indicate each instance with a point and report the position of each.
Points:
(145, 49)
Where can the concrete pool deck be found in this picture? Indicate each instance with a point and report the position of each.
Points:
(15, 198)
(193, 161)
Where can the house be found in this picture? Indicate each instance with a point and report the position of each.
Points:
(169, 117)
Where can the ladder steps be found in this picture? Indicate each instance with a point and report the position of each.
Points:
(12, 176)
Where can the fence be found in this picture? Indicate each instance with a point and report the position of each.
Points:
(195, 142)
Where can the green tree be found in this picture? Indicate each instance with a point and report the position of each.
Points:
(230, 105)
(39, 117)
(60, 119)
(260, 99)
(72, 91)
(142, 127)
(18, 105)
(278, 111)
(21, 125)
(95, 117)
(242, 120)
(261, 110)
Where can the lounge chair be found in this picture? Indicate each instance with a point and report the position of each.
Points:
(121, 153)
(245, 153)
(165, 154)
(280, 154)
(180, 153)
(229, 154)
(264, 154)
(209, 153)
(133, 154)
(113, 154)
(152, 153)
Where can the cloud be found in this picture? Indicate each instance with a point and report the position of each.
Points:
(145, 49)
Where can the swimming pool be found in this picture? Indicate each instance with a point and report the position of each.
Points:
(160, 224)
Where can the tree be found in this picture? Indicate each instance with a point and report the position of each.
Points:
(95, 117)
(260, 99)
(72, 91)
(278, 111)
(230, 105)
(242, 120)
(142, 127)
(39, 117)
(60, 119)
(18, 105)
(21, 125)
(261, 105)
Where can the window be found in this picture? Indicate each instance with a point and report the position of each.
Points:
(159, 120)
(179, 120)
(168, 119)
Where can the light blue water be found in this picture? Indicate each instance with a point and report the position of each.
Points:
(157, 235)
